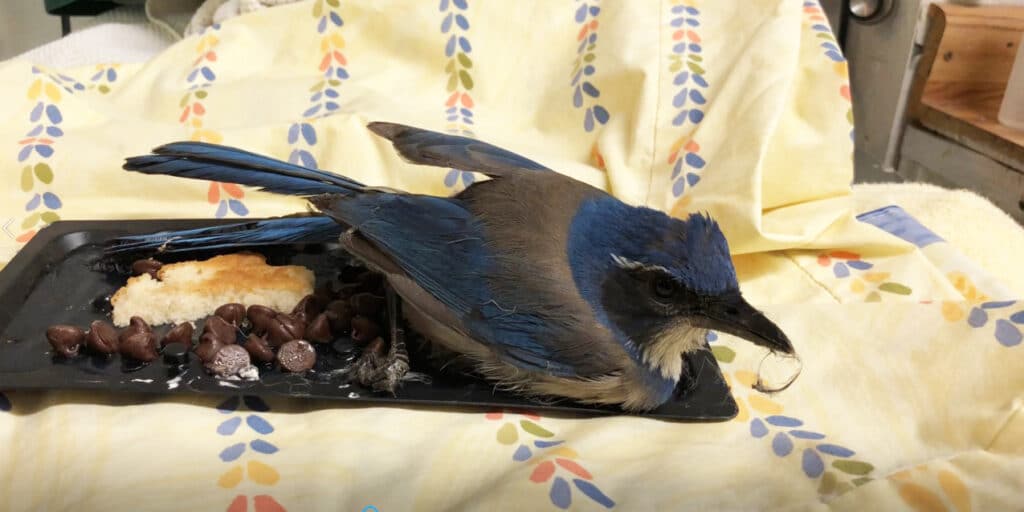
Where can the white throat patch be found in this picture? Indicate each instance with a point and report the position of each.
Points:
(664, 353)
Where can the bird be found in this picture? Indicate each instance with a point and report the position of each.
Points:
(543, 285)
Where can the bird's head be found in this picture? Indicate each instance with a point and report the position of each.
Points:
(659, 280)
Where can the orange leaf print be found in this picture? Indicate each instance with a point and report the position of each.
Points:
(264, 503)
(692, 146)
(199, 109)
(326, 61)
(239, 504)
(677, 35)
(845, 255)
(452, 99)
(582, 34)
(593, 25)
(184, 114)
(542, 472)
(467, 101)
(692, 36)
(211, 56)
(575, 468)
(233, 190)
(213, 193)
(25, 237)
(338, 56)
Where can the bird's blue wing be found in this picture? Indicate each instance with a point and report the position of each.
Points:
(441, 247)
(427, 147)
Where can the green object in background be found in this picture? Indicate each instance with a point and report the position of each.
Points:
(78, 7)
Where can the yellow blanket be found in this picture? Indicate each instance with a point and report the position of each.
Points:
(911, 381)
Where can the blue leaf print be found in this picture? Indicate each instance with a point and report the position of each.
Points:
(51, 201)
(694, 160)
(262, 446)
(259, 424)
(560, 493)
(232, 452)
(449, 47)
(592, 492)
(581, 13)
(53, 113)
(237, 207)
(309, 134)
(782, 445)
(678, 188)
(680, 98)
(812, 464)
(835, 450)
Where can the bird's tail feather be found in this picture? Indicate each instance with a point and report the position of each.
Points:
(203, 161)
(283, 230)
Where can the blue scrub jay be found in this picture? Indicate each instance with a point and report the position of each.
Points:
(548, 286)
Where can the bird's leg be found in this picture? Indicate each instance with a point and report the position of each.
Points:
(396, 364)
(380, 370)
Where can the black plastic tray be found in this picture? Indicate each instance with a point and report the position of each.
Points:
(54, 279)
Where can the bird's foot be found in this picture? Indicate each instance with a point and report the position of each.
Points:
(382, 371)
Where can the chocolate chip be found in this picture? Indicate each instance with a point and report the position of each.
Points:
(340, 315)
(260, 316)
(309, 307)
(138, 324)
(284, 328)
(102, 337)
(364, 329)
(228, 361)
(224, 332)
(259, 349)
(208, 347)
(367, 304)
(233, 313)
(296, 356)
(146, 266)
(66, 340)
(138, 344)
(326, 292)
(179, 334)
(319, 330)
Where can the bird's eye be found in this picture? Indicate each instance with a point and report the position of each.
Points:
(663, 287)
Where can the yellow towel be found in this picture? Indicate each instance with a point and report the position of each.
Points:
(912, 356)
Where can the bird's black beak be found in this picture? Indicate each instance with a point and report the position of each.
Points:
(734, 315)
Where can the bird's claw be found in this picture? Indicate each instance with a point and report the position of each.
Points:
(379, 371)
